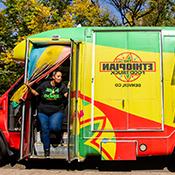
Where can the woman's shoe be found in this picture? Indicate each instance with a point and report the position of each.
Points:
(46, 153)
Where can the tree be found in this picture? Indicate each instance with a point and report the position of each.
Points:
(58, 6)
(9, 71)
(21, 18)
(130, 10)
(86, 13)
(6, 39)
(25, 17)
(162, 13)
(145, 12)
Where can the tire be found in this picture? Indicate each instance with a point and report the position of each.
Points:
(3, 152)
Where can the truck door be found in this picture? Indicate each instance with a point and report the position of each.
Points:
(73, 100)
(25, 144)
(127, 79)
(37, 66)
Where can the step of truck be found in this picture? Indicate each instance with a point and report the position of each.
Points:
(56, 151)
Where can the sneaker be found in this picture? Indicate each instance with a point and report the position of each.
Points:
(55, 145)
(46, 153)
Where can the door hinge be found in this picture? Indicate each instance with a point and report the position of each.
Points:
(92, 81)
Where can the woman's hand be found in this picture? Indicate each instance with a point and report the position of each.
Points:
(34, 92)
(66, 94)
(27, 84)
(68, 85)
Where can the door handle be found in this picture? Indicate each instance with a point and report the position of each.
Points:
(123, 104)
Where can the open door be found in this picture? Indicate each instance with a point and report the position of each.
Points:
(42, 58)
(73, 99)
(26, 116)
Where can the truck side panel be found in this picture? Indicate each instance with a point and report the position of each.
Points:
(123, 96)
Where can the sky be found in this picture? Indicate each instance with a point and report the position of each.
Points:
(1, 5)
(107, 4)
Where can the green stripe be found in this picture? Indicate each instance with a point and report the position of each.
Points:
(145, 41)
(134, 38)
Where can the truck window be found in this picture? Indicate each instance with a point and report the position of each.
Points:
(15, 112)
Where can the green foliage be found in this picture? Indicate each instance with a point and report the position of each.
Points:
(162, 13)
(86, 13)
(9, 72)
(57, 7)
(26, 17)
(21, 18)
(145, 12)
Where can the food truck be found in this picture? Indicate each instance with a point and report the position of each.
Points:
(121, 102)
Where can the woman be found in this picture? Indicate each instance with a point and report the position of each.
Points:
(51, 107)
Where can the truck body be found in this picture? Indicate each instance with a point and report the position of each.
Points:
(122, 96)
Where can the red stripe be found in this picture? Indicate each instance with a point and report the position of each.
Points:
(114, 115)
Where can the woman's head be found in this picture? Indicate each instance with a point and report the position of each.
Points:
(57, 76)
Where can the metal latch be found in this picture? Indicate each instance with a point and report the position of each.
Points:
(123, 103)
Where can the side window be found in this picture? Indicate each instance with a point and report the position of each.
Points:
(15, 110)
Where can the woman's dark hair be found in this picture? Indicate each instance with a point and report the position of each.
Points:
(57, 70)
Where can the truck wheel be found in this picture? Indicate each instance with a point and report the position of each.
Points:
(3, 152)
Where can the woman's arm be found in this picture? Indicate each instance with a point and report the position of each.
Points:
(68, 87)
(66, 94)
(34, 92)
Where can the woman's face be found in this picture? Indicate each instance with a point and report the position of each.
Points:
(57, 77)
